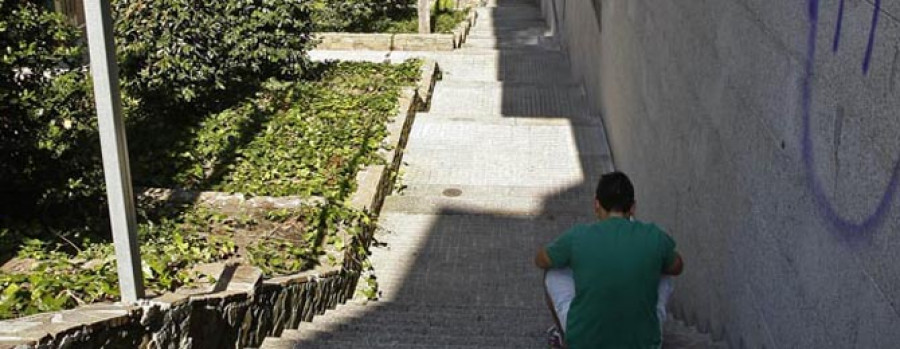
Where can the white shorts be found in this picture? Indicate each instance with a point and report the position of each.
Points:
(560, 284)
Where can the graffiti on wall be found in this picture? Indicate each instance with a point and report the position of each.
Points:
(876, 217)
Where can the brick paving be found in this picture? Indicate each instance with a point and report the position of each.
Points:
(505, 159)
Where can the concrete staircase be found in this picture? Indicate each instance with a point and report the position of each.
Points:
(505, 160)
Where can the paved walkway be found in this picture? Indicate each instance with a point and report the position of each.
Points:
(505, 160)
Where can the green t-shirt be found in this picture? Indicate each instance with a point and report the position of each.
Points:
(617, 265)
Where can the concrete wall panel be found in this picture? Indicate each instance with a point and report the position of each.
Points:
(769, 151)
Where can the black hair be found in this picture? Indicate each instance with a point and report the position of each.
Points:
(615, 192)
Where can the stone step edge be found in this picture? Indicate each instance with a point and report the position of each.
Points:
(542, 85)
(488, 190)
(327, 336)
(419, 205)
(278, 343)
(508, 120)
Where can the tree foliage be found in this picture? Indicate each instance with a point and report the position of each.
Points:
(38, 52)
(359, 15)
(185, 49)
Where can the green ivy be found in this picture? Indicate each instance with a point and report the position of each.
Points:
(334, 126)
(61, 279)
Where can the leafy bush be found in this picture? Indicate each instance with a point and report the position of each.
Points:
(444, 21)
(359, 15)
(38, 47)
(395, 16)
(188, 50)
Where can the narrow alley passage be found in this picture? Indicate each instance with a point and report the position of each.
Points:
(506, 158)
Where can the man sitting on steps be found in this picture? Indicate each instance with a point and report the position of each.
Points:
(607, 281)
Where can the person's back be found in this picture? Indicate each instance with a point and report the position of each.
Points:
(616, 264)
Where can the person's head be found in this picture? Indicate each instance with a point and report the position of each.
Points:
(615, 195)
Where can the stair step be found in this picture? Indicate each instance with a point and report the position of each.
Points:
(538, 29)
(516, 99)
(536, 42)
(433, 309)
(554, 135)
(277, 343)
(559, 86)
(507, 120)
(506, 68)
(534, 36)
(522, 10)
(485, 206)
(512, 192)
(508, 3)
(374, 338)
(501, 23)
(499, 327)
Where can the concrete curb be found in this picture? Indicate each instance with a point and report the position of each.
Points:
(340, 41)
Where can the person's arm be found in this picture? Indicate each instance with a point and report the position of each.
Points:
(542, 260)
(557, 253)
(672, 263)
(676, 267)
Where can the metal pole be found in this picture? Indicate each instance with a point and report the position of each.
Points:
(424, 17)
(115, 148)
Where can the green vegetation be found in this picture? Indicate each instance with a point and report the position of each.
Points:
(359, 16)
(56, 279)
(394, 16)
(322, 132)
(239, 109)
(175, 74)
(188, 50)
(333, 128)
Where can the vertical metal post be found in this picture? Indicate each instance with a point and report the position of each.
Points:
(115, 148)
(424, 17)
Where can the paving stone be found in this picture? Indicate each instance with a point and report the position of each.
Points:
(516, 99)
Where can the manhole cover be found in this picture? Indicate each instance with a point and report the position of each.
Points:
(452, 192)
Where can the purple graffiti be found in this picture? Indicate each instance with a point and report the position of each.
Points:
(872, 30)
(871, 44)
(877, 217)
(837, 27)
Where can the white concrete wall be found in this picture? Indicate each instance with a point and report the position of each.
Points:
(786, 211)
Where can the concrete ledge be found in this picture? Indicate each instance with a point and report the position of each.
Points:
(354, 41)
(385, 42)
(227, 202)
(397, 42)
(377, 182)
(430, 74)
(240, 316)
(423, 42)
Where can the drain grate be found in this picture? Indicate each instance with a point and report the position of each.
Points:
(451, 192)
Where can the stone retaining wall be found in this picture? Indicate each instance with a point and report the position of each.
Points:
(397, 42)
(241, 308)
